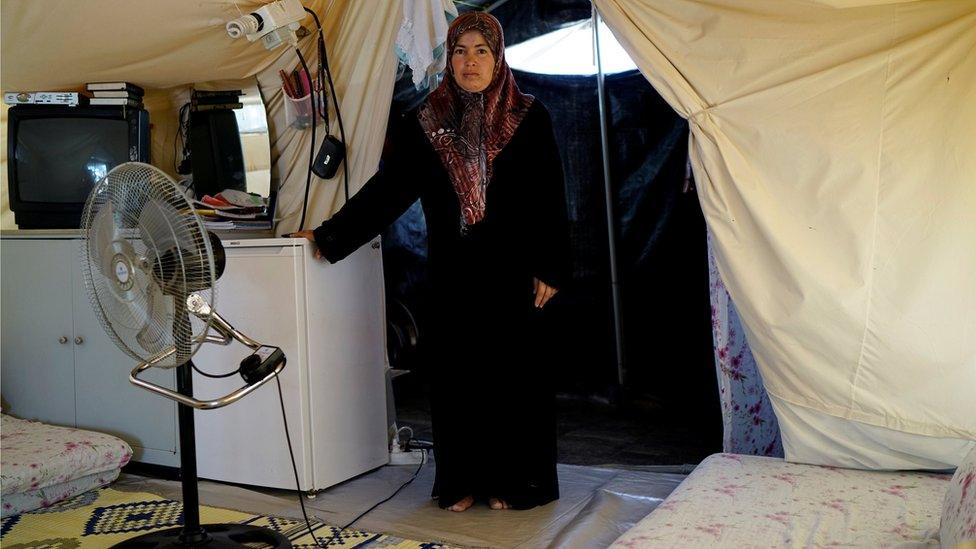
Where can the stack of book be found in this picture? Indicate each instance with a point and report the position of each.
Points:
(232, 209)
(116, 93)
(203, 100)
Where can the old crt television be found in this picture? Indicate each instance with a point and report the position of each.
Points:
(56, 154)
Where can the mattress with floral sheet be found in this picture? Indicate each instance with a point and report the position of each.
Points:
(733, 500)
(43, 464)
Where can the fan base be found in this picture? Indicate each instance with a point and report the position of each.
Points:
(216, 536)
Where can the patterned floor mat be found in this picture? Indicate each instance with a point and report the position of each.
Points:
(102, 518)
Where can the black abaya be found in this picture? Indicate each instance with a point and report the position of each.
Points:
(491, 390)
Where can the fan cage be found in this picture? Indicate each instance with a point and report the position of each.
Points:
(144, 251)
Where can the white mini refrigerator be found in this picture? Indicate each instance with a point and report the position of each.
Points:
(330, 322)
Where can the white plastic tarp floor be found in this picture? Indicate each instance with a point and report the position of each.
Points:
(597, 504)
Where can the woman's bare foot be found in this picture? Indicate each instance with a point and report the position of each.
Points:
(462, 505)
(498, 504)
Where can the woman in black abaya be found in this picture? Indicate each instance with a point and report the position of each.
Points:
(482, 158)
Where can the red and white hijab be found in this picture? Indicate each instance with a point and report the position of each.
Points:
(469, 130)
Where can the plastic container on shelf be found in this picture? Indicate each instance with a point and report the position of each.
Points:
(298, 111)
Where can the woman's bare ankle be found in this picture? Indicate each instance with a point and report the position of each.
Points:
(462, 505)
(498, 504)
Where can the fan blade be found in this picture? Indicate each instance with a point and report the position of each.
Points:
(151, 337)
(156, 228)
(102, 235)
(175, 253)
(179, 258)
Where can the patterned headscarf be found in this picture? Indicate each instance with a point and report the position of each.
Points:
(468, 130)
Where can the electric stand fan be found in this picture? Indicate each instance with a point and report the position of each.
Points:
(149, 264)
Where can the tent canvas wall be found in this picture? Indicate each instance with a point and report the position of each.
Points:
(833, 144)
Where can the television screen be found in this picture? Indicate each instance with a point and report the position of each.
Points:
(60, 160)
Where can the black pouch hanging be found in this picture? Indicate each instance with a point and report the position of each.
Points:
(329, 157)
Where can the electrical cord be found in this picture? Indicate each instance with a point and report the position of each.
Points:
(311, 152)
(176, 140)
(409, 438)
(417, 444)
(323, 67)
(342, 130)
(320, 75)
(294, 467)
(213, 376)
(315, 109)
(388, 498)
(180, 142)
(298, 486)
(324, 64)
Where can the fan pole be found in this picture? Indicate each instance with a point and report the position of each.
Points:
(192, 533)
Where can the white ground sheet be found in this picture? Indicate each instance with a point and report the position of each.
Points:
(595, 507)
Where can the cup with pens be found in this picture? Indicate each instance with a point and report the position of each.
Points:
(297, 90)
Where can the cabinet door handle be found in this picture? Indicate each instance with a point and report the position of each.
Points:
(62, 340)
(79, 340)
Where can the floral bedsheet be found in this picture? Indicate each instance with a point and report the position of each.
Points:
(733, 500)
(959, 509)
(37, 456)
(750, 424)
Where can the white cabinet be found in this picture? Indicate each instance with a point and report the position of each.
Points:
(329, 321)
(57, 363)
(37, 348)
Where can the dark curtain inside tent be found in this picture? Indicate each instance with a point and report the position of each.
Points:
(525, 19)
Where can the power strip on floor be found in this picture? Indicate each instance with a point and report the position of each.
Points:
(405, 457)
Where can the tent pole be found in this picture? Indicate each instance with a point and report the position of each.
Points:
(608, 191)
